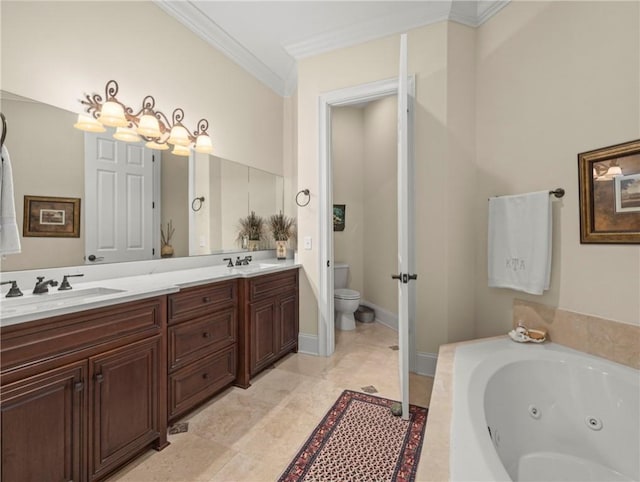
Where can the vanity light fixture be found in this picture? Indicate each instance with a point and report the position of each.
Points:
(148, 124)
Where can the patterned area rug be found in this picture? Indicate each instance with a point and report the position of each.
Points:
(360, 440)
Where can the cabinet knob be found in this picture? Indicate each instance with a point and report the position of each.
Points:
(99, 377)
(78, 386)
(206, 334)
(206, 299)
(205, 376)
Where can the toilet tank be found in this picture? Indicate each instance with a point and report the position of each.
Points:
(340, 275)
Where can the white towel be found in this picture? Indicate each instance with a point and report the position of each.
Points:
(9, 234)
(520, 242)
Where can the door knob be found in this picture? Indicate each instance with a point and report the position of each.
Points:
(93, 257)
(396, 276)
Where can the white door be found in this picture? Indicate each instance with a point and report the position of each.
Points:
(404, 265)
(118, 207)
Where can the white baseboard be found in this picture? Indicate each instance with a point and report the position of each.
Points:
(383, 316)
(426, 363)
(308, 344)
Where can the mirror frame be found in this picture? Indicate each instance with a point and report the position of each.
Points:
(590, 204)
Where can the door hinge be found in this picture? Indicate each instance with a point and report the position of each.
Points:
(153, 251)
(328, 263)
(153, 205)
(153, 158)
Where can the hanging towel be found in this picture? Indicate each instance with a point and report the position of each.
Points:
(9, 234)
(520, 242)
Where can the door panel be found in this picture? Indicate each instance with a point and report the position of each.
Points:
(288, 318)
(403, 228)
(263, 334)
(119, 217)
(43, 426)
(125, 403)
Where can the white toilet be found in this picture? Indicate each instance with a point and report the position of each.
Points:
(345, 301)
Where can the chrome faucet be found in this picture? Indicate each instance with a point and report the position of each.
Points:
(42, 287)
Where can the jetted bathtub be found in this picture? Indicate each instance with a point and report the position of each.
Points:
(542, 412)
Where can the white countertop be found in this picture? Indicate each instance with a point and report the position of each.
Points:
(33, 307)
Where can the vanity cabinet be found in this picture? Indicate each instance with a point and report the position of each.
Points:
(82, 394)
(268, 322)
(202, 344)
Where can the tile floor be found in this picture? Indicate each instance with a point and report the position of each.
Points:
(252, 435)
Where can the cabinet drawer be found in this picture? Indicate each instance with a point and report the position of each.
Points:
(43, 339)
(192, 302)
(198, 381)
(268, 285)
(191, 340)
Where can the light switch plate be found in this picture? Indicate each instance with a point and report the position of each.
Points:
(307, 242)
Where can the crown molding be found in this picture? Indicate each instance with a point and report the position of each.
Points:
(487, 9)
(370, 30)
(470, 13)
(201, 25)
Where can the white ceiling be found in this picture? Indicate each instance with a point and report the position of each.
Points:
(268, 37)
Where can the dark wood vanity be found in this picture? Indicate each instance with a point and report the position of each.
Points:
(82, 394)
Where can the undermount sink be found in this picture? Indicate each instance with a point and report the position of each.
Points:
(53, 299)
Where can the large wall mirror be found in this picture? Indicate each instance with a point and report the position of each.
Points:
(48, 159)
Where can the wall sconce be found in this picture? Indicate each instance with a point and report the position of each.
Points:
(147, 124)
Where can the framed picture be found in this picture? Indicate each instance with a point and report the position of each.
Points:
(338, 217)
(609, 181)
(57, 217)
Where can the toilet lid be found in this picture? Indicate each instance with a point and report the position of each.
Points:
(345, 294)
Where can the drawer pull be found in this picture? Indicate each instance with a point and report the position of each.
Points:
(99, 378)
(206, 334)
(205, 376)
(78, 386)
(206, 299)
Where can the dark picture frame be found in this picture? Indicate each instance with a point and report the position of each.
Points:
(51, 217)
(609, 181)
(339, 211)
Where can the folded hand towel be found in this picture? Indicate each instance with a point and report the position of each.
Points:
(520, 242)
(9, 234)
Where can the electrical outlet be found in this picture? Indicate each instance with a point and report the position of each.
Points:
(307, 242)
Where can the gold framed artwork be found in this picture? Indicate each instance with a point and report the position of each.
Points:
(609, 181)
(57, 217)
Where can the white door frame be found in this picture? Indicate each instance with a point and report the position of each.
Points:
(344, 97)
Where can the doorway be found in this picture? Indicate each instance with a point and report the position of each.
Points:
(348, 97)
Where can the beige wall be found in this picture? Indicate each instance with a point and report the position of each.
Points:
(175, 199)
(54, 52)
(57, 158)
(380, 247)
(377, 60)
(347, 146)
(364, 147)
(555, 79)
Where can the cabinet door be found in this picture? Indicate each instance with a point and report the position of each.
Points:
(43, 426)
(125, 403)
(263, 334)
(288, 322)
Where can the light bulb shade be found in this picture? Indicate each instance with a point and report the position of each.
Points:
(126, 134)
(112, 114)
(203, 144)
(148, 126)
(179, 150)
(179, 136)
(156, 146)
(614, 171)
(88, 124)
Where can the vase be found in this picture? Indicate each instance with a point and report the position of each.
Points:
(281, 249)
(166, 251)
(253, 244)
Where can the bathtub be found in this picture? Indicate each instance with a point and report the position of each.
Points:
(526, 412)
